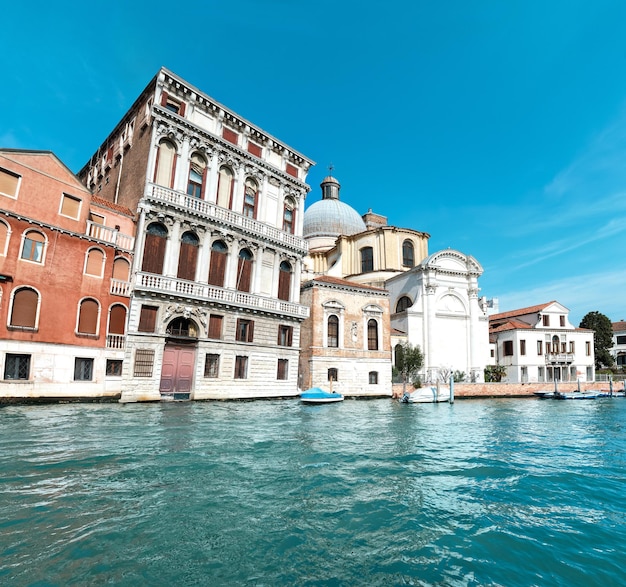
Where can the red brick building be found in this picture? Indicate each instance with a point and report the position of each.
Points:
(65, 266)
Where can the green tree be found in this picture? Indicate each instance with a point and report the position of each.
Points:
(494, 373)
(602, 337)
(409, 360)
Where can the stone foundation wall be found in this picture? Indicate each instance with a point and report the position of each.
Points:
(480, 390)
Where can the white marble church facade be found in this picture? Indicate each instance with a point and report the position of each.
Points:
(436, 305)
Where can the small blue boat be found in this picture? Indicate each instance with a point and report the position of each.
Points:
(316, 395)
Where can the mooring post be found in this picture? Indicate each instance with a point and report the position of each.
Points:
(451, 389)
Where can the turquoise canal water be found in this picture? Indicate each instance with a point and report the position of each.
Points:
(481, 492)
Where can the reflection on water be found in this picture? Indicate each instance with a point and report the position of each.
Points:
(498, 492)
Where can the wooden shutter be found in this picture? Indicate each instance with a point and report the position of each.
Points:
(187, 261)
(24, 312)
(217, 268)
(244, 273)
(250, 331)
(94, 262)
(88, 317)
(117, 320)
(153, 254)
(215, 326)
(70, 206)
(121, 269)
(8, 183)
(284, 284)
(147, 319)
(164, 97)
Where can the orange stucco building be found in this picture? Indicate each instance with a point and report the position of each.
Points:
(65, 265)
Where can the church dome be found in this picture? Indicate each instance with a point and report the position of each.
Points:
(330, 216)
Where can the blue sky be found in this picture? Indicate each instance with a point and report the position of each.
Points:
(498, 127)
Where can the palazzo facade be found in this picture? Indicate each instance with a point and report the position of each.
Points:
(215, 312)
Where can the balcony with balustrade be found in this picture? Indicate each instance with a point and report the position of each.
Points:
(222, 216)
(116, 341)
(111, 236)
(559, 358)
(204, 292)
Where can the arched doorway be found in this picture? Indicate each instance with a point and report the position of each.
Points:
(179, 359)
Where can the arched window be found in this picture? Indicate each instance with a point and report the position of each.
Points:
(332, 339)
(367, 259)
(225, 185)
(188, 256)
(165, 164)
(397, 355)
(408, 256)
(88, 314)
(117, 319)
(244, 270)
(289, 215)
(182, 327)
(197, 176)
(94, 263)
(250, 198)
(24, 308)
(555, 344)
(32, 246)
(284, 281)
(403, 303)
(4, 238)
(121, 269)
(154, 248)
(372, 335)
(217, 266)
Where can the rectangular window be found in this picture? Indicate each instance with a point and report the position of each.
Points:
(546, 320)
(572, 347)
(147, 319)
(230, 136)
(508, 348)
(245, 330)
(254, 149)
(9, 183)
(373, 377)
(83, 369)
(215, 326)
(114, 368)
(282, 369)
(621, 340)
(540, 374)
(144, 362)
(589, 373)
(492, 353)
(16, 366)
(562, 320)
(291, 170)
(563, 347)
(539, 347)
(212, 366)
(241, 367)
(285, 335)
(522, 347)
(97, 218)
(588, 348)
(332, 374)
(70, 206)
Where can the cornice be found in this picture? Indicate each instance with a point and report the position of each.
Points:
(161, 114)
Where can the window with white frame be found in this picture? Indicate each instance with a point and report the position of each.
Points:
(70, 206)
(5, 235)
(33, 246)
(94, 262)
(24, 310)
(9, 183)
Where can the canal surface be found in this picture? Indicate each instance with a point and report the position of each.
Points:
(502, 492)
